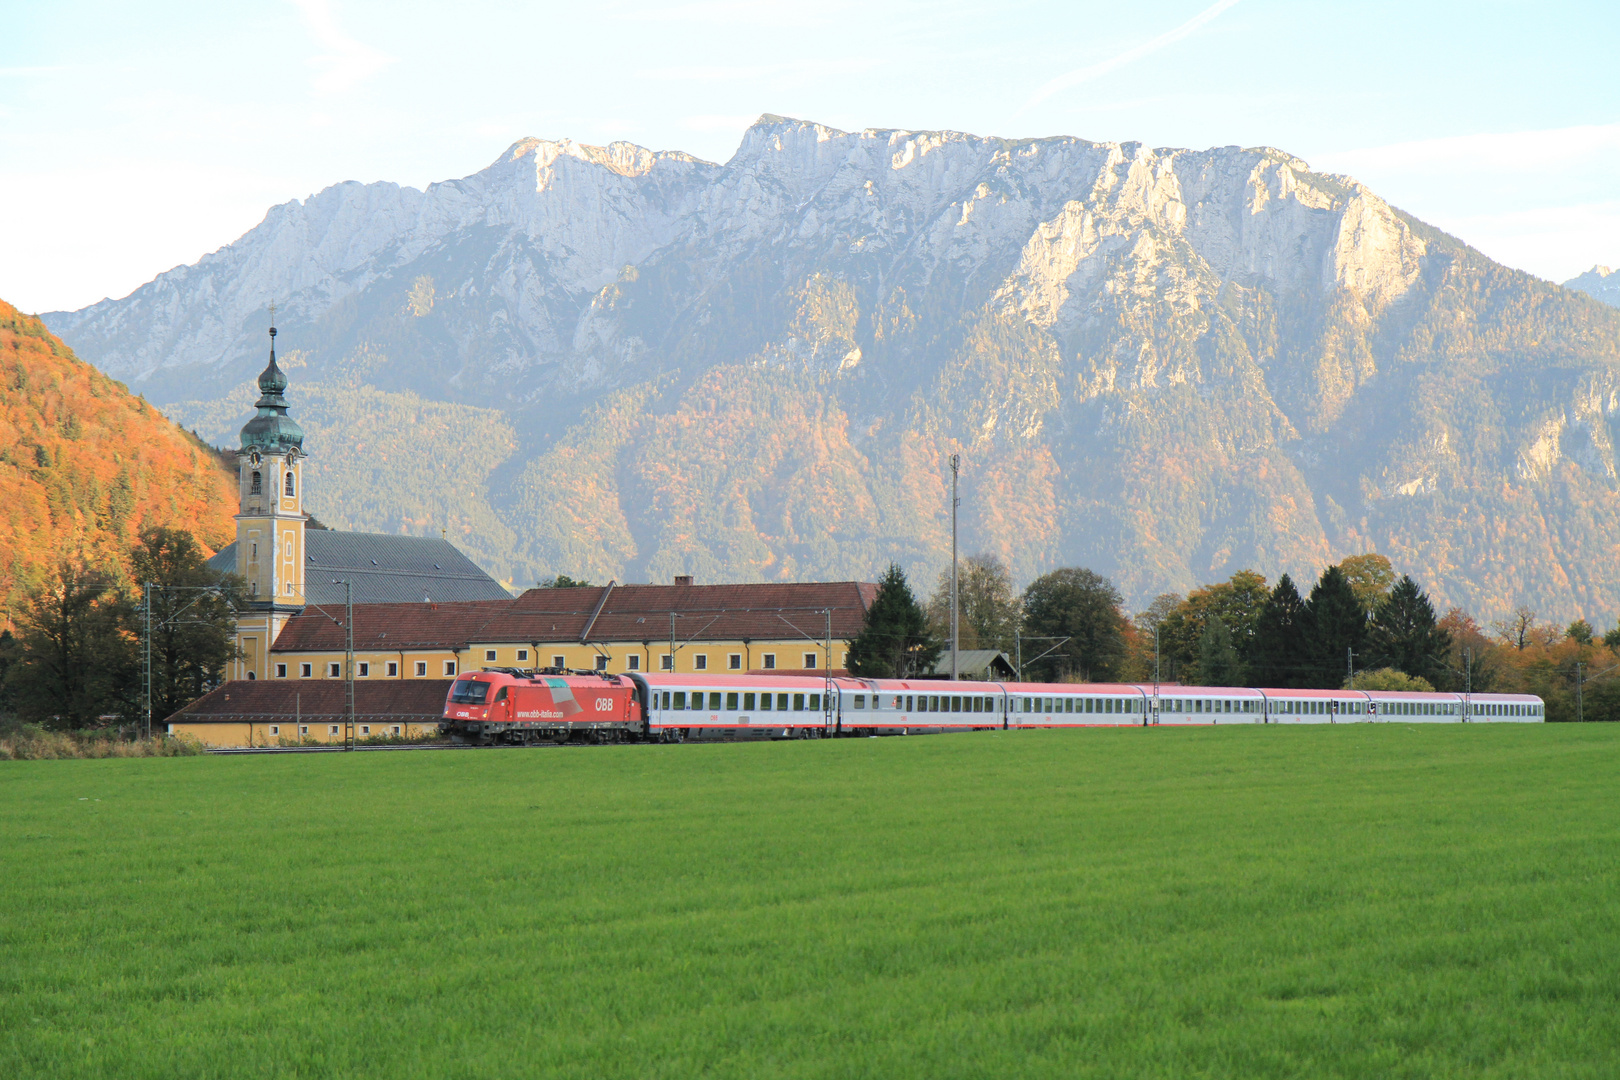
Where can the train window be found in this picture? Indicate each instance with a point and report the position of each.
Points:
(933, 703)
(860, 701)
(666, 699)
(781, 702)
(765, 703)
(748, 703)
(500, 695)
(910, 704)
(731, 702)
(469, 692)
(714, 701)
(798, 703)
(680, 699)
(1026, 705)
(815, 702)
(697, 700)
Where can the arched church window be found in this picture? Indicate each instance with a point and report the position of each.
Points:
(289, 483)
(255, 483)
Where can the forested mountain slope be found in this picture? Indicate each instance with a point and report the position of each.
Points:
(1163, 364)
(85, 465)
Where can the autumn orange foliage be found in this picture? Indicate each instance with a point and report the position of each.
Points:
(85, 465)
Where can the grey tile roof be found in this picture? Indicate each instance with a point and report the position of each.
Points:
(385, 569)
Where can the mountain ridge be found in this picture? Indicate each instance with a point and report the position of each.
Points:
(1167, 364)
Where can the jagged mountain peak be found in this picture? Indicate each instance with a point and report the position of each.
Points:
(1165, 363)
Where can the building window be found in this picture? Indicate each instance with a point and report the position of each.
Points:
(253, 588)
(365, 729)
(770, 661)
(633, 662)
(559, 661)
(601, 663)
(421, 669)
(489, 655)
(331, 729)
(289, 588)
(305, 670)
(809, 660)
(303, 729)
(281, 671)
(700, 662)
(394, 729)
(523, 654)
(734, 661)
(449, 667)
(667, 661)
(365, 670)
(334, 671)
(275, 729)
(256, 483)
(289, 483)
(393, 669)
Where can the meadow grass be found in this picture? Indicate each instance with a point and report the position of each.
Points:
(1350, 901)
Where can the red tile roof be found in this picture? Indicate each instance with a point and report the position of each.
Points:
(282, 699)
(382, 627)
(620, 613)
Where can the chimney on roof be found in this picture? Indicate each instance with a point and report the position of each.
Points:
(683, 579)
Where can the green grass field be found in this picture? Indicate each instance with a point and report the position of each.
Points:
(1352, 901)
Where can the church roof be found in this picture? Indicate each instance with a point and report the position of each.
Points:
(385, 568)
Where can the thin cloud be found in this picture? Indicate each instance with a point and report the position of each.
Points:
(1086, 74)
(1518, 151)
(346, 62)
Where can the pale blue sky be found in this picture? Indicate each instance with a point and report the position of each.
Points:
(138, 137)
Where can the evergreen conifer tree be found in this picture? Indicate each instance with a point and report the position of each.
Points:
(1338, 626)
(1404, 635)
(1277, 657)
(1218, 663)
(895, 642)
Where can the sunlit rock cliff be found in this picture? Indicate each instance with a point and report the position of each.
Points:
(1164, 364)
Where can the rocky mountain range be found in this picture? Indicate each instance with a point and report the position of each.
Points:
(1163, 364)
(1600, 282)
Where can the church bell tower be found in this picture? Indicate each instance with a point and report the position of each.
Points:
(270, 521)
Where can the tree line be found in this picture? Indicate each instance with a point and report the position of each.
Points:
(76, 660)
(1359, 624)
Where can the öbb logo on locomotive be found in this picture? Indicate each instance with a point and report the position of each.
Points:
(518, 706)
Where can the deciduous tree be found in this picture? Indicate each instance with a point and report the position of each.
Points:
(193, 617)
(1084, 607)
(987, 607)
(74, 655)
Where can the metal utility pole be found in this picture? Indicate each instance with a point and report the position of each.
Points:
(1018, 654)
(1468, 685)
(1155, 673)
(1580, 711)
(348, 656)
(826, 695)
(956, 465)
(672, 642)
(146, 725)
(1349, 668)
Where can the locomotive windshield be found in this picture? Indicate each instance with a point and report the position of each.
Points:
(469, 692)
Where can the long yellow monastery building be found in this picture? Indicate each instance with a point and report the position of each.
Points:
(423, 613)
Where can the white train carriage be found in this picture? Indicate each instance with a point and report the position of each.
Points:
(918, 707)
(700, 707)
(1048, 705)
(1206, 705)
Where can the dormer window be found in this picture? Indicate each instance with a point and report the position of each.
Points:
(289, 482)
(256, 484)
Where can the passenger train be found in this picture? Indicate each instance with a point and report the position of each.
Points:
(509, 705)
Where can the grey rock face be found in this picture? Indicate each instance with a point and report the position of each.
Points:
(1165, 364)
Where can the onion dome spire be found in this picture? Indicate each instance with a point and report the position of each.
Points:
(272, 430)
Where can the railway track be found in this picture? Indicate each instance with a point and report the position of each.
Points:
(368, 749)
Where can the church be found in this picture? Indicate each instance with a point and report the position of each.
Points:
(290, 568)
